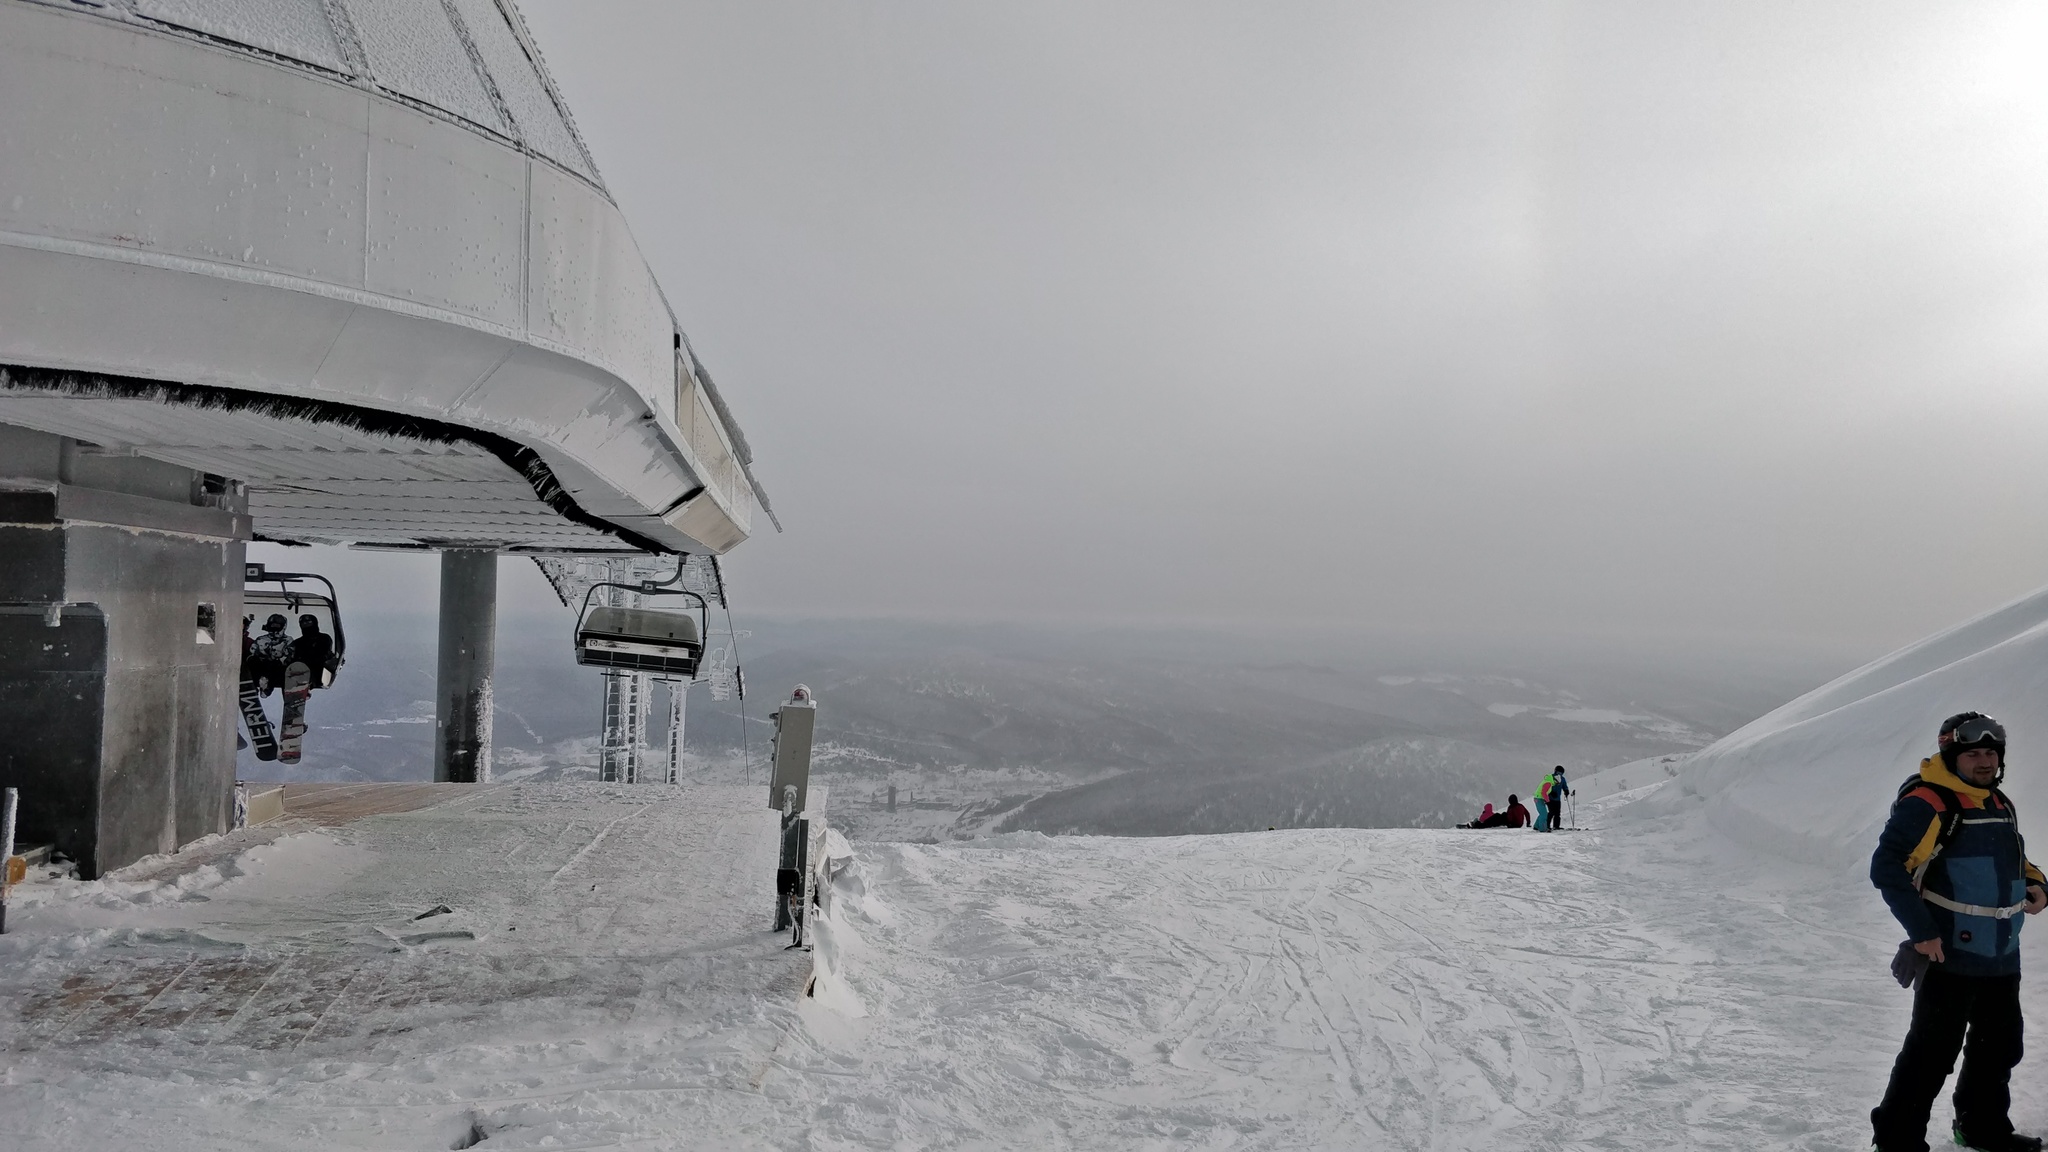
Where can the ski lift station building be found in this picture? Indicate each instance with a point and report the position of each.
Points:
(312, 271)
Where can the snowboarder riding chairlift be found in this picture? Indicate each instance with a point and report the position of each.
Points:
(314, 649)
(270, 653)
(1953, 868)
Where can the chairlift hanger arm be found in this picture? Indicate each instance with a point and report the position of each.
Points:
(648, 588)
(282, 577)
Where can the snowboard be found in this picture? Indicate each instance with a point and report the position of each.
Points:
(261, 738)
(298, 684)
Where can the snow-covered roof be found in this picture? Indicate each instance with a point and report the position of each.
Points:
(471, 60)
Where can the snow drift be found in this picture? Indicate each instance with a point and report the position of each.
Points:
(1813, 780)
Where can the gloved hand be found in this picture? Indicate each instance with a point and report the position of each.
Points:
(1910, 963)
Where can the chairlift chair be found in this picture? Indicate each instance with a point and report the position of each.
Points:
(292, 602)
(661, 641)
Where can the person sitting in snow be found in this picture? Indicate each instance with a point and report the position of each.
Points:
(1485, 814)
(1953, 869)
(1514, 816)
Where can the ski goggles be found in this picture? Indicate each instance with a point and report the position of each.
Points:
(1975, 733)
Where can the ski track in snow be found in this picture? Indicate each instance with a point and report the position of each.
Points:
(1644, 986)
(1359, 989)
(1707, 970)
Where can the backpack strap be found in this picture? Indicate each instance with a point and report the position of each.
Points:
(1948, 809)
(2013, 814)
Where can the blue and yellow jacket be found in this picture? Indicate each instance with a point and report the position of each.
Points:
(1970, 893)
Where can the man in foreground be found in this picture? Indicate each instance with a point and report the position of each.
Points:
(1951, 865)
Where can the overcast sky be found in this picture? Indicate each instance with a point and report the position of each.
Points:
(1612, 318)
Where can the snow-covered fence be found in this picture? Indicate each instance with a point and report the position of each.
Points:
(841, 893)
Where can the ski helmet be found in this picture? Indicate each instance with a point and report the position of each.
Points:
(276, 622)
(1970, 730)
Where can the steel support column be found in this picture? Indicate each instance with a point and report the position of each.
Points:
(462, 681)
(678, 712)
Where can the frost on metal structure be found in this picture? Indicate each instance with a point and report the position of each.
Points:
(721, 669)
(306, 271)
(471, 59)
(626, 698)
(629, 696)
(678, 715)
(370, 216)
(572, 577)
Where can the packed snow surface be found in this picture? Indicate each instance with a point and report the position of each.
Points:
(547, 964)
(1703, 967)
(1328, 988)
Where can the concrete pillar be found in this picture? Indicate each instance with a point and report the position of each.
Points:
(120, 648)
(462, 678)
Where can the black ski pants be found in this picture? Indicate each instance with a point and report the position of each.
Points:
(1945, 1007)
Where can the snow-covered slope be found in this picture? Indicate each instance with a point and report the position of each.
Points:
(1812, 780)
(605, 981)
(1654, 982)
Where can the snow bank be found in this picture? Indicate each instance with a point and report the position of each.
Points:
(1813, 780)
(842, 895)
(1622, 779)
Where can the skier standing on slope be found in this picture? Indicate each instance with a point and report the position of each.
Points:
(1557, 795)
(1543, 803)
(1953, 868)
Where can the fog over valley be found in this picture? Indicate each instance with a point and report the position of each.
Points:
(1126, 731)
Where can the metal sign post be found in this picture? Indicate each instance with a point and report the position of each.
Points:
(7, 877)
(789, 883)
(788, 790)
(791, 747)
